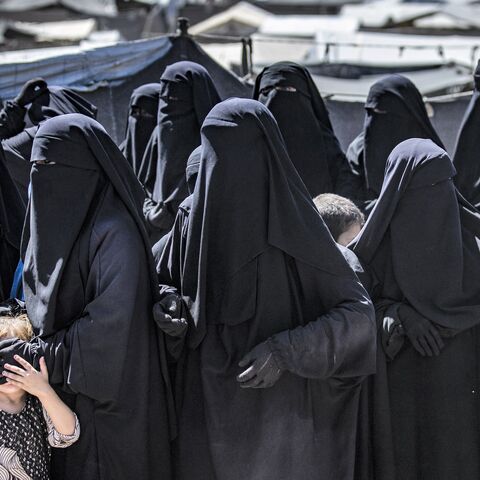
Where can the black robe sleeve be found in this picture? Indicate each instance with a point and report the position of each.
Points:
(89, 356)
(337, 343)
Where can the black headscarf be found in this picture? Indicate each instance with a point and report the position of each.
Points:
(429, 233)
(74, 185)
(289, 92)
(405, 117)
(58, 101)
(248, 196)
(187, 95)
(142, 119)
(466, 157)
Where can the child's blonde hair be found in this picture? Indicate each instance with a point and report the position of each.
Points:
(18, 326)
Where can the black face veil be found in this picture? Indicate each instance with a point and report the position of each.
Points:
(187, 95)
(466, 157)
(142, 119)
(248, 196)
(83, 160)
(395, 112)
(289, 92)
(430, 233)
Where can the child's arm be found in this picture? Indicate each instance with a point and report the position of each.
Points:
(36, 383)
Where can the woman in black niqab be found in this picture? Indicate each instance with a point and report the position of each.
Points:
(467, 157)
(421, 242)
(142, 119)
(187, 95)
(288, 90)
(264, 281)
(89, 283)
(395, 112)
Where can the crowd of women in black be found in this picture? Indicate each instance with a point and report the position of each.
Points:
(193, 308)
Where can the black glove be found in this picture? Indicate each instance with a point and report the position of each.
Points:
(30, 91)
(13, 346)
(263, 371)
(171, 316)
(422, 333)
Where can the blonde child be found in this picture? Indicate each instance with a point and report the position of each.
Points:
(32, 416)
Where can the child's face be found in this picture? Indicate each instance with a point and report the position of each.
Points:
(348, 235)
(8, 389)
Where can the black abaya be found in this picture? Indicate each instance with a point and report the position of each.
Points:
(421, 243)
(466, 157)
(395, 112)
(90, 283)
(142, 119)
(287, 89)
(187, 95)
(255, 264)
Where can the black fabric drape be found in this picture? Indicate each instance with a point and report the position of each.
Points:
(421, 243)
(56, 101)
(289, 92)
(12, 214)
(59, 101)
(395, 112)
(187, 95)
(90, 283)
(253, 259)
(466, 157)
(142, 119)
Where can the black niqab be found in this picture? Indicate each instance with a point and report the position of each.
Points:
(404, 116)
(142, 119)
(187, 95)
(289, 92)
(466, 158)
(80, 176)
(431, 235)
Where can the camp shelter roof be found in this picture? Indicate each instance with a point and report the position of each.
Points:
(241, 14)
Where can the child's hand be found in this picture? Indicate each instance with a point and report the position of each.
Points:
(28, 378)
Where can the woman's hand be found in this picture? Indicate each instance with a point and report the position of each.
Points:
(28, 378)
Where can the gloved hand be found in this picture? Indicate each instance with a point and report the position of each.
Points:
(422, 333)
(170, 315)
(263, 371)
(30, 91)
(11, 347)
